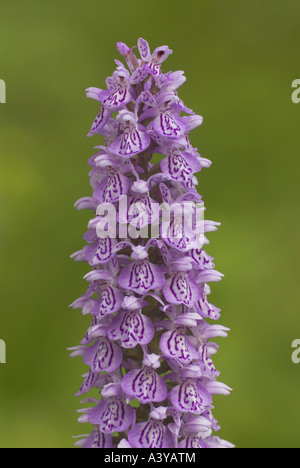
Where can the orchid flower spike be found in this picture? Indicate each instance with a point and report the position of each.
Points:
(147, 348)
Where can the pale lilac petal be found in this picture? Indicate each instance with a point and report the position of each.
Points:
(205, 309)
(144, 49)
(103, 356)
(139, 75)
(122, 48)
(141, 277)
(110, 302)
(214, 442)
(192, 442)
(190, 397)
(88, 383)
(86, 203)
(192, 121)
(197, 424)
(169, 125)
(104, 252)
(100, 121)
(141, 211)
(175, 345)
(180, 166)
(93, 93)
(206, 364)
(130, 143)
(113, 187)
(124, 444)
(145, 385)
(181, 289)
(202, 259)
(217, 388)
(151, 434)
(116, 99)
(207, 276)
(131, 328)
(97, 439)
(161, 54)
(112, 415)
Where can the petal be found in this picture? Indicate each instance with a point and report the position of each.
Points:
(122, 48)
(144, 50)
(112, 415)
(217, 443)
(217, 388)
(142, 211)
(207, 366)
(145, 385)
(161, 54)
(88, 383)
(192, 121)
(131, 328)
(207, 276)
(192, 442)
(168, 125)
(117, 99)
(175, 234)
(104, 252)
(190, 397)
(124, 444)
(202, 259)
(181, 289)
(205, 309)
(100, 121)
(180, 167)
(197, 424)
(98, 440)
(166, 194)
(175, 345)
(139, 75)
(86, 203)
(141, 277)
(130, 143)
(151, 434)
(110, 302)
(93, 93)
(103, 356)
(112, 187)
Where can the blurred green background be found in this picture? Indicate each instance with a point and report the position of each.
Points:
(240, 58)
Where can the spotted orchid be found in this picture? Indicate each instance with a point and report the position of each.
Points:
(148, 347)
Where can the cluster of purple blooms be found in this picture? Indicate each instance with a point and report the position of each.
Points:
(148, 345)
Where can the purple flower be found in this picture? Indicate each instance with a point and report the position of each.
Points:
(150, 434)
(112, 415)
(145, 385)
(131, 328)
(176, 345)
(148, 347)
(133, 140)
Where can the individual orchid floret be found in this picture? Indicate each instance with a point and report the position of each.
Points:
(145, 385)
(133, 140)
(153, 61)
(141, 276)
(150, 342)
